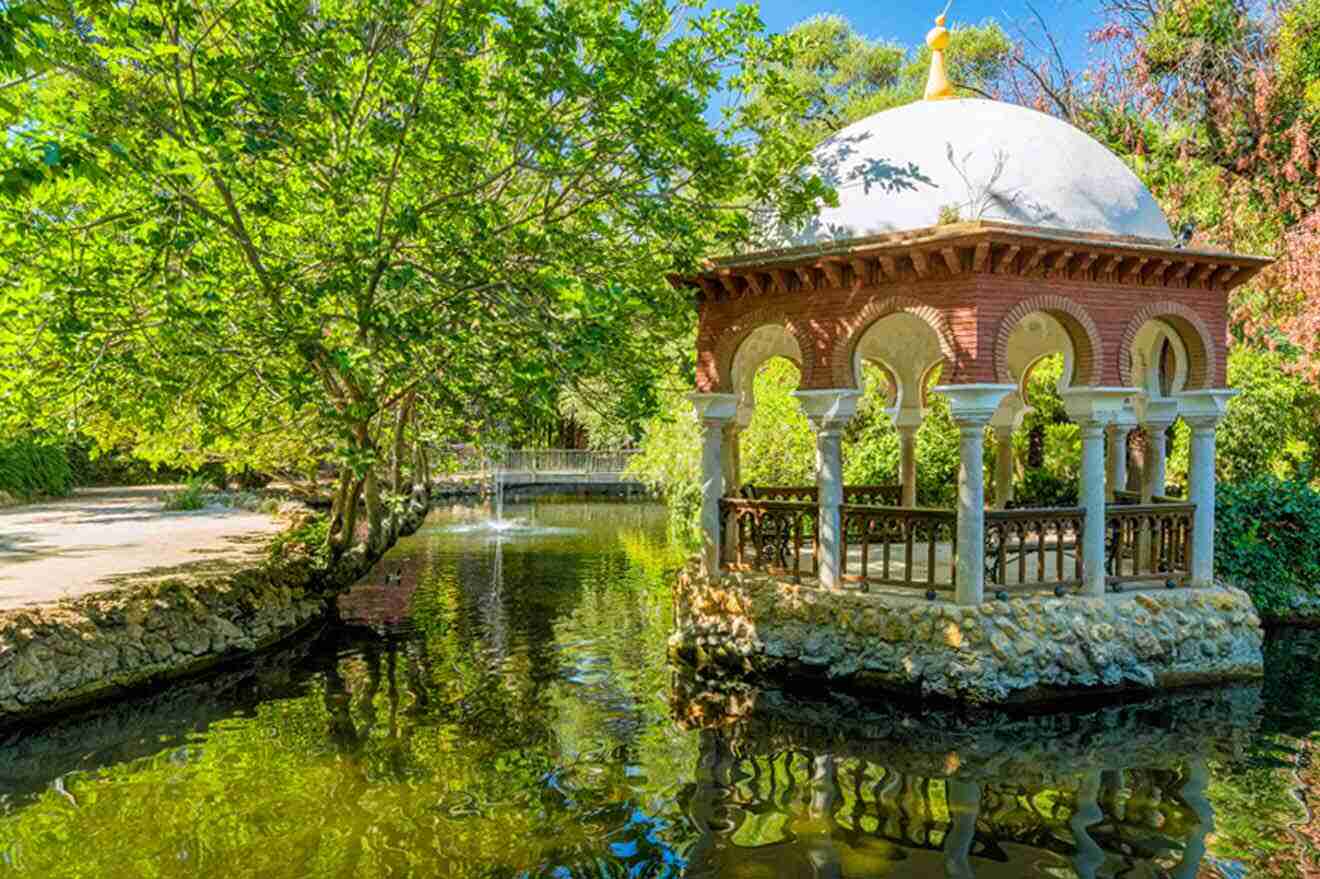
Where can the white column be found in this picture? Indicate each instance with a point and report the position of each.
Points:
(1203, 410)
(829, 412)
(1156, 417)
(1201, 491)
(972, 406)
(1089, 857)
(1194, 795)
(1118, 456)
(1091, 495)
(907, 422)
(907, 464)
(1093, 409)
(1003, 467)
(964, 801)
(714, 411)
(731, 459)
(1006, 422)
(731, 468)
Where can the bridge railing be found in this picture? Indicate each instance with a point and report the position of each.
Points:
(557, 461)
(564, 460)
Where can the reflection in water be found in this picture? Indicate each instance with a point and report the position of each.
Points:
(778, 794)
(503, 708)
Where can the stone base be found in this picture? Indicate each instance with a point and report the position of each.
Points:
(105, 644)
(1026, 649)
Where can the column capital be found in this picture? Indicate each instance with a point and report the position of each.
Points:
(718, 408)
(828, 409)
(1099, 407)
(1156, 413)
(1012, 412)
(1204, 409)
(974, 405)
(906, 418)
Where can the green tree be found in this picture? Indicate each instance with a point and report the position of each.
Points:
(232, 227)
(823, 75)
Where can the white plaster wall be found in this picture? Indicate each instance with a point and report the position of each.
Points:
(905, 345)
(1145, 357)
(771, 340)
(1038, 335)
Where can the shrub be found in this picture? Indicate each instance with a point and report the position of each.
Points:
(190, 497)
(778, 446)
(32, 467)
(670, 460)
(309, 536)
(1267, 539)
(1041, 488)
(92, 465)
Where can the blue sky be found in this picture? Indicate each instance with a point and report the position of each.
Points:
(906, 21)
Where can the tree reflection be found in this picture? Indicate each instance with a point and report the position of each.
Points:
(775, 793)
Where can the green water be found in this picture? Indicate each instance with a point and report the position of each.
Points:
(501, 706)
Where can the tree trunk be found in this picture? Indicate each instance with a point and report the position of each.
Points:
(349, 517)
(375, 512)
(396, 459)
(334, 534)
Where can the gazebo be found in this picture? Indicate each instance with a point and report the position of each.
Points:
(975, 238)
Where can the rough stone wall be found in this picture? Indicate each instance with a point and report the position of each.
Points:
(81, 650)
(973, 307)
(1025, 649)
(92, 646)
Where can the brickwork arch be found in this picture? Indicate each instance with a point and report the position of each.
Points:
(1081, 329)
(853, 329)
(1202, 353)
(731, 339)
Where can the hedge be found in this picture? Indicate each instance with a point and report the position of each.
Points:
(1267, 540)
(32, 467)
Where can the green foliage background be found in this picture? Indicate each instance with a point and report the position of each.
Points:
(33, 467)
(1266, 539)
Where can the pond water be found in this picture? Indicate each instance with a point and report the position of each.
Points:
(499, 704)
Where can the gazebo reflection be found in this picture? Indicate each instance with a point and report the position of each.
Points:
(780, 794)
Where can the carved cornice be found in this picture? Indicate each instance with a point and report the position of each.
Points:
(961, 251)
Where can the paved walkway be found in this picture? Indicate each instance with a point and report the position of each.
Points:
(104, 537)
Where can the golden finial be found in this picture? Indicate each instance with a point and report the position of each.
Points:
(938, 86)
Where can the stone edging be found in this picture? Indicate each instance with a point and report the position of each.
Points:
(1030, 649)
(74, 652)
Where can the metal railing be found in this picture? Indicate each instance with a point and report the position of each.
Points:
(769, 535)
(885, 494)
(557, 461)
(1034, 548)
(900, 546)
(565, 460)
(1147, 543)
(775, 530)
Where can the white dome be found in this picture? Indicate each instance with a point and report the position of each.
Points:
(896, 170)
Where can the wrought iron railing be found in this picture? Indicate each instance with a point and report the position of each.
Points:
(770, 535)
(883, 495)
(472, 459)
(899, 546)
(779, 492)
(1133, 497)
(1034, 548)
(564, 461)
(1025, 549)
(1147, 543)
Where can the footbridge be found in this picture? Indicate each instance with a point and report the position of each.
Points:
(552, 471)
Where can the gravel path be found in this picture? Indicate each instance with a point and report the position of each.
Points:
(101, 537)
